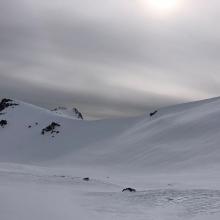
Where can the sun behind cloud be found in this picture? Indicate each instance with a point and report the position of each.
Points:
(161, 6)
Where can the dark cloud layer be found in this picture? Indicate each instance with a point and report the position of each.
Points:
(108, 57)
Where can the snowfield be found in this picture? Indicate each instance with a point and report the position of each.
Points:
(172, 159)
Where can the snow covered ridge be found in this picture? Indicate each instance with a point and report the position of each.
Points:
(57, 167)
(5, 103)
(178, 137)
(71, 112)
(9, 109)
(6, 107)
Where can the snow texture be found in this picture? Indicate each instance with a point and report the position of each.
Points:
(171, 158)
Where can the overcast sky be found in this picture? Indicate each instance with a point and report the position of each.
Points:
(109, 57)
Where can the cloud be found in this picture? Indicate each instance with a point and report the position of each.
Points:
(108, 58)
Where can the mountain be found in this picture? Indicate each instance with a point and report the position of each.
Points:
(70, 112)
(55, 166)
(181, 136)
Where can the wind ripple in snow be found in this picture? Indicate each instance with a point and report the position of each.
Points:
(185, 203)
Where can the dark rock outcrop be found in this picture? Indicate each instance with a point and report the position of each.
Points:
(3, 123)
(51, 128)
(129, 190)
(70, 112)
(5, 103)
(77, 113)
(86, 179)
(59, 108)
(153, 113)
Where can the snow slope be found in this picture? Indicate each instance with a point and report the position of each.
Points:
(179, 137)
(182, 136)
(24, 145)
(171, 158)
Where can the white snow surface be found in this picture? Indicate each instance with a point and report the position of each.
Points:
(172, 159)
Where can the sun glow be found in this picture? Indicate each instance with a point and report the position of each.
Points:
(161, 6)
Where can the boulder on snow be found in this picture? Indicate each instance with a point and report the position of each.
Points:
(3, 123)
(129, 190)
(153, 113)
(51, 128)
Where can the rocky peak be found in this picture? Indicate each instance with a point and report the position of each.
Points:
(5, 103)
(71, 112)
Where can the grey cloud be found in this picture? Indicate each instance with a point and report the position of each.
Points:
(108, 58)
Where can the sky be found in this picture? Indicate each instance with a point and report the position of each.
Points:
(109, 57)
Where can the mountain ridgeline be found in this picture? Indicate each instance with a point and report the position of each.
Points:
(178, 137)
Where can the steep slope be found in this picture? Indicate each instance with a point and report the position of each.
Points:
(179, 137)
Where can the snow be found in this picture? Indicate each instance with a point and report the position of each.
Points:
(68, 112)
(172, 159)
